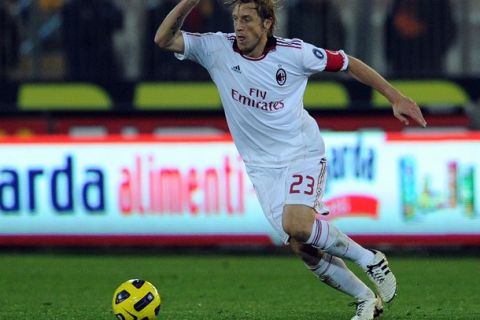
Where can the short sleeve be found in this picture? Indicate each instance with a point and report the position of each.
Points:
(201, 47)
(321, 60)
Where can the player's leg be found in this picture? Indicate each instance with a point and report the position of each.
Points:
(305, 188)
(332, 271)
(270, 185)
(301, 224)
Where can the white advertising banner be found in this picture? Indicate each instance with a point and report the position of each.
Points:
(387, 188)
(405, 185)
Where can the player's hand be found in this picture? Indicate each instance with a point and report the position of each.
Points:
(407, 108)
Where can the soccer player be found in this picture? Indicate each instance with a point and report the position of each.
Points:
(261, 80)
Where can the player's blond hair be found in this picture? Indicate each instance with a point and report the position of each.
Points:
(265, 9)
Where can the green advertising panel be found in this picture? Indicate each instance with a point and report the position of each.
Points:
(63, 96)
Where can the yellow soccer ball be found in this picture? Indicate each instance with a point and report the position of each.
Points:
(136, 299)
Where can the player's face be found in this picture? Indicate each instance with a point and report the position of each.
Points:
(251, 31)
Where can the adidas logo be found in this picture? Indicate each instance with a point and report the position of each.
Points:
(237, 69)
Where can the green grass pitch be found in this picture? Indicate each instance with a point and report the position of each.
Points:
(216, 286)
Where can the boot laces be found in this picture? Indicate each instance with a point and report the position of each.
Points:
(376, 272)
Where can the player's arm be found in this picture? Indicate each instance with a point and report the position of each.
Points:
(403, 107)
(168, 36)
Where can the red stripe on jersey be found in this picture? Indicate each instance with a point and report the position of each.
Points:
(290, 41)
(288, 46)
(293, 41)
(335, 61)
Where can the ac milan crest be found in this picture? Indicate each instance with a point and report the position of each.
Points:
(281, 76)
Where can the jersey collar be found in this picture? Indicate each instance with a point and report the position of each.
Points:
(270, 46)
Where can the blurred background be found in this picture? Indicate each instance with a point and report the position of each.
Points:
(116, 162)
(56, 39)
(101, 131)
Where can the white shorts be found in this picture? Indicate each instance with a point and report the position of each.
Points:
(302, 182)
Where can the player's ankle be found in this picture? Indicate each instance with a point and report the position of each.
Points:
(365, 260)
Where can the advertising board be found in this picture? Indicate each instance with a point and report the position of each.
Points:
(382, 188)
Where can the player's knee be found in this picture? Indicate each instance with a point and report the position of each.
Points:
(309, 254)
(297, 222)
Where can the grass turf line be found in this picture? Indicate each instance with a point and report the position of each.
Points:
(80, 287)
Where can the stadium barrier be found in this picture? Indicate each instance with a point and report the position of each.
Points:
(130, 107)
(201, 96)
(433, 93)
(63, 96)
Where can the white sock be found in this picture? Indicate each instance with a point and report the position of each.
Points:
(335, 273)
(329, 239)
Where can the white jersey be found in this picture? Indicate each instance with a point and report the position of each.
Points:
(263, 97)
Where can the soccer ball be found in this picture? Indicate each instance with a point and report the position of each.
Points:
(136, 300)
